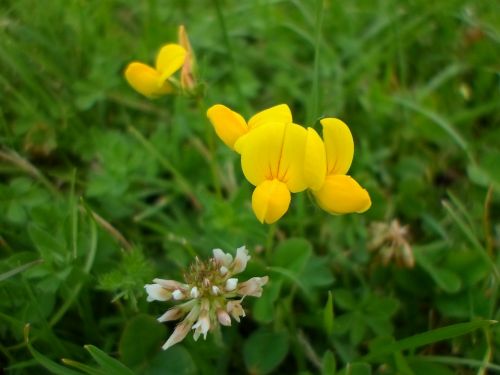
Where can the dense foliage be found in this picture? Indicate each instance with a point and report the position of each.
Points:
(101, 189)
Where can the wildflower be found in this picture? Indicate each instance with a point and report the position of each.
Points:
(154, 82)
(280, 158)
(391, 240)
(339, 194)
(210, 297)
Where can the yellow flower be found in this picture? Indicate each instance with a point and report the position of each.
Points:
(280, 158)
(230, 125)
(339, 194)
(153, 82)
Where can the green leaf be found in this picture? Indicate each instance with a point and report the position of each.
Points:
(293, 254)
(428, 368)
(356, 369)
(328, 364)
(174, 361)
(345, 299)
(15, 271)
(264, 350)
(109, 364)
(83, 367)
(263, 308)
(50, 365)
(317, 273)
(328, 314)
(430, 337)
(48, 246)
(142, 329)
(444, 278)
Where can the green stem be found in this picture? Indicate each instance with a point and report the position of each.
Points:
(313, 107)
(229, 51)
(212, 148)
(184, 185)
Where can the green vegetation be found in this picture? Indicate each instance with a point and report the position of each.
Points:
(101, 190)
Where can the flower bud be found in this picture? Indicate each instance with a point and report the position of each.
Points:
(223, 317)
(231, 284)
(177, 295)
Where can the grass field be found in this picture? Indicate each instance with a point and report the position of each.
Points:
(102, 189)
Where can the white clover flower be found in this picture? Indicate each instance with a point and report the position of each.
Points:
(211, 295)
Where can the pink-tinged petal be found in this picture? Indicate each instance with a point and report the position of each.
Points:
(240, 260)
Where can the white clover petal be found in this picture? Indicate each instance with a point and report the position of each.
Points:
(241, 260)
(223, 270)
(231, 284)
(177, 294)
(252, 287)
(194, 292)
(201, 327)
(215, 290)
(157, 293)
(169, 284)
(234, 308)
(171, 314)
(222, 258)
(223, 317)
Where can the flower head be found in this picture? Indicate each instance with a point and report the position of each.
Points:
(391, 240)
(210, 295)
(154, 82)
(279, 158)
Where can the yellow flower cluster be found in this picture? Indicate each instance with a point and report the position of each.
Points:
(155, 82)
(279, 157)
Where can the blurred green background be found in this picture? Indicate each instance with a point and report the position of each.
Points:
(101, 189)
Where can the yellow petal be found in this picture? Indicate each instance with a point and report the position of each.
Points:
(260, 151)
(278, 113)
(314, 160)
(145, 80)
(228, 124)
(341, 194)
(339, 145)
(291, 162)
(169, 60)
(270, 201)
